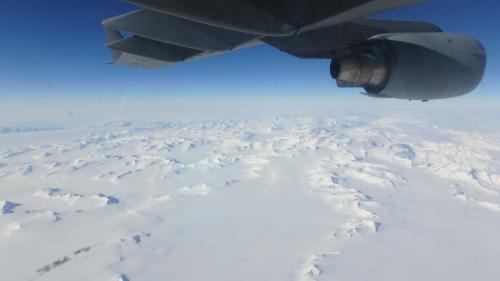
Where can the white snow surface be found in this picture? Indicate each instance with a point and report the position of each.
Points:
(295, 198)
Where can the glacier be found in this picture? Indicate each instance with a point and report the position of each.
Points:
(302, 198)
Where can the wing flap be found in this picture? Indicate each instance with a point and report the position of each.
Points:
(138, 61)
(139, 50)
(171, 30)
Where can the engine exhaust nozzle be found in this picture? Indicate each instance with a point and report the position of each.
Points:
(369, 69)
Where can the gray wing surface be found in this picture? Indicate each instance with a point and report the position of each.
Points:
(166, 32)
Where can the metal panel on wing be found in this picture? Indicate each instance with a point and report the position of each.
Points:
(359, 10)
(325, 42)
(238, 15)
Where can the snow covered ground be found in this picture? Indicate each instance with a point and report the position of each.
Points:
(291, 198)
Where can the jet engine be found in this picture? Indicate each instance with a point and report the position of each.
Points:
(413, 66)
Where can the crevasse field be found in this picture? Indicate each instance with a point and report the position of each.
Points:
(283, 195)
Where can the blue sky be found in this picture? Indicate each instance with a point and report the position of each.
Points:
(55, 49)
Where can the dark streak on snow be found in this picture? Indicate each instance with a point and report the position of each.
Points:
(62, 261)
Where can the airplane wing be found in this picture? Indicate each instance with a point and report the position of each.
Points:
(387, 58)
(166, 32)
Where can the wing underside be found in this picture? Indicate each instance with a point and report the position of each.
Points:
(165, 32)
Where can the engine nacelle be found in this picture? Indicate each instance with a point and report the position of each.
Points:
(414, 66)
